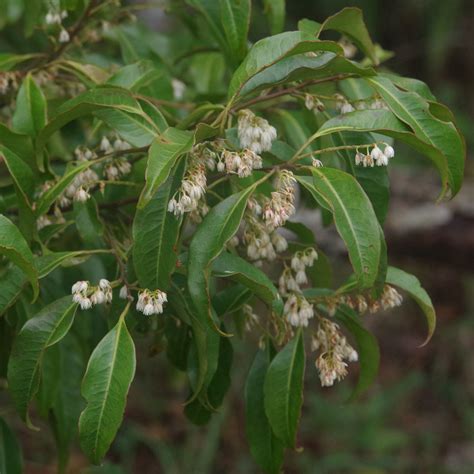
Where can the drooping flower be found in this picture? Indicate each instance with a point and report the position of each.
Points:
(255, 133)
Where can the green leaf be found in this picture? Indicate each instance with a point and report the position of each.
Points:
(216, 229)
(412, 286)
(283, 390)
(15, 248)
(350, 22)
(266, 448)
(230, 299)
(138, 130)
(156, 236)
(68, 403)
(10, 452)
(235, 20)
(228, 265)
(30, 111)
(12, 281)
(85, 104)
(367, 348)
(17, 142)
(90, 74)
(8, 61)
(303, 67)
(88, 223)
(179, 340)
(162, 156)
(275, 11)
(415, 111)
(109, 373)
(268, 51)
(44, 330)
(219, 225)
(21, 174)
(50, 261)
(228, 22)
(354, 217)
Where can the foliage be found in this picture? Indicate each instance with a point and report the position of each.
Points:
(158, 177)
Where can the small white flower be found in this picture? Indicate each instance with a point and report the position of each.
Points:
(317, 163)
(123, 293)
(149, 309)
(347, 108)
(86, 303)
(98, 297)
(301, 277)
(81, 195)
(105, 145)
(64, 36)
(104, 284)
(80, 286)
(389, 152)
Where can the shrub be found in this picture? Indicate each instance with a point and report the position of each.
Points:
(157, 175)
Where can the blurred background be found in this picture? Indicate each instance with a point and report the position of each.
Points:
(419, 416)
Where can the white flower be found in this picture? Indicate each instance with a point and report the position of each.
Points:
(80, 286)
(382, 161)
(255, 133)
(151, 302)
(64, 36)
(179, 88)
(123, 293)
(301, 277)
(98, 297)
(347, 108)
(279, 242)
(389, 152)
(317, 163)
(81, 195)
(309, 101)
(105, 145)
(85, 303)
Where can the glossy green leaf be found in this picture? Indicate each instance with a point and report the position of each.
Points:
(15, 248)
(30, 111)
(231, 299)
(303, 67)
(156, 235)
(138, 130)
(21, 174)
(88, 223)
(68, 403)
(354, 217)
(219, 226)
(12, 282)
(367, 348)
(162, 156)
(10, 451)
(89, 74)
(50, 261)
(86, 104)
(415, 111)
(228, 22)
(8, 61)
(45, 329)
(283, 390)
(228, 265)
(350, 22)
(269, 51)
(266, 448)
(17, 143)
(275, 11)
(105, 386)
(412, 286)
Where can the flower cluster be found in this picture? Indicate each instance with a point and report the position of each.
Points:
(298, 310)
(79, 188)
(251, 319)
(8, 81)
(192, 189)
(151, 302)
(241, 163)
(375, 157)
(289, 283)
(280, 207)
(88, 296)
(117, 168)
(389, 299)
(334, 351)
(255, 133)
(343, 105)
